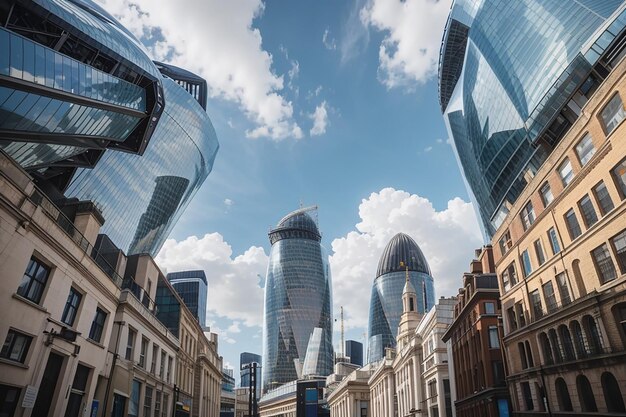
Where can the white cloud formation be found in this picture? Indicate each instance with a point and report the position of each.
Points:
(216, 39)
(329, 42)
(413, 30)
(227, 275)
(228, 202)
(320, 119)
(428, 149)
(355, 36)
(447, 238)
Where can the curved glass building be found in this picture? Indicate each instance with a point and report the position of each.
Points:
(73, 83)
(298, 305)
(400, 254)
(142, 197)
(513, 77)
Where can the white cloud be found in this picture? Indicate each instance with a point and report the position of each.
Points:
(329, 42)
(216, 39)
(355, 36)
(320, 119)
(227, 275)
(447, 238)
(428, 149)
(228, 202)
(413, 30)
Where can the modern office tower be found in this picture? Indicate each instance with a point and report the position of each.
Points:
(73, 83)
(354, 351)
(194, 85)
(400, 256)
(142, 197)
(297, 299)
(192, 287)
(247, 358)
(510, 88)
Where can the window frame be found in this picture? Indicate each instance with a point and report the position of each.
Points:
(527, 266)
(545, 190)
(596, 193)
(129, 352)
(539, 252)
(527, 215)
(620, 255)
(28, 280)
(572, 231)
(598, 263)
(601, 115)
(554, 240)
(566, 179)
(70, 307)
(588, 211)
(6, 352)
(96, 326)
(584, 159)
(490, 332)
(620, 179)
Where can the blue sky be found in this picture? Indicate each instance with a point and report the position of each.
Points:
(375, 159)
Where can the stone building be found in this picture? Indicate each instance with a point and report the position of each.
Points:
(351, 396)
(561, 264)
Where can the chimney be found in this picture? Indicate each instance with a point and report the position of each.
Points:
(88, 220)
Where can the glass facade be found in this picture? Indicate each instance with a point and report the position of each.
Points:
(297, 300)
(247, 358)
(319, 355)
(354, 350)
(386, 299)
(142, 197)
(512, 79)
(192, 287)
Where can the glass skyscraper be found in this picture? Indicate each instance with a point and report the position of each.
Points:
(297, 301)
(247, 358)
(513, 76)
(386, 302)
(192, 287)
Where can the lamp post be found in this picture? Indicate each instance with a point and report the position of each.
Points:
(252, 401)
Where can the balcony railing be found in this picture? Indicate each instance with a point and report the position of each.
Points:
(140, 294)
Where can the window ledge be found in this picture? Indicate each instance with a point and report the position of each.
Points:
(30, 303)
(13, 363)
(93, 342)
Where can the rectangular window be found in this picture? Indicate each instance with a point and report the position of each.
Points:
(527, 267)
(9, 398)
(512, 274)
(549, 296)
(528, 398)
(34, 281)
(510, 312)
(97, 325)
(521, 318)
(142, 352)
(155, 353)
(604, 199)
(546, 194)
(604, 263)
(572, 224)
(147, 401)
(505, 242)
(170, 364)
(162, 366)
(613, 113)
(166, 400)
(490, 308)
(157, 403)
(494, 340)
(528, 215)
(585, 149)
(561, 281)
(554, 241)
(566, 173)
(130, 343)
(619, 175)
(506, 281)
(619, 243)
(133, 404)
(589, 213)
(539, 252)
(498, 373)
(71, 307)
(535, 300)
(15, 347)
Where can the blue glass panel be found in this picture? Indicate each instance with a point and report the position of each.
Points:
(17, 57)
(29, 62)
(4, 52)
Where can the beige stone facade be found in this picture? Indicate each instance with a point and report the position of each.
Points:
(561, 261)
(351, 396)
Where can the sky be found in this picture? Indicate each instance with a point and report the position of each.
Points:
(331, 103)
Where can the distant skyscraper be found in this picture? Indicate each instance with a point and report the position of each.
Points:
(354, 350)
(297, 300)
(247, 358)
(386, 302)
(192, 287)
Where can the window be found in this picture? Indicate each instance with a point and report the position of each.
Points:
(546, 194)
(585, 149)
(585, 394)
(71, 307)
(612, 114)
(34, 281)
(143, 351)
(528, 215)
(155, 353)
(619, 175)
(539, 252)
(130, 343)
(133, 404)
(554, 241)
(490, 308)
(505, 242)
(519, 308)
(612, 394)
(535, 300)
(97, 325)
(619, 243)
(572, 224)
(589, 213)
(549, 296)
(561, 281)
(604, 263)
(546, 349)
(9, 397)
(556, 350)
(494, 340)
(166, 399)
(566, 173)
(568, 344)
(157, 404)
(522, 355)
(147, 401)
(604, 199)
(528, 398)
(510, 312)
(170, 364)
(527, 268)
(162, 366)
(562, 394)
(15, 346)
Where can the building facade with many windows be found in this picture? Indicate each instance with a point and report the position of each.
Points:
(192, 287)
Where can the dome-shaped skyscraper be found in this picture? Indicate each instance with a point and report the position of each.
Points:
(297, 328)
(400, 254)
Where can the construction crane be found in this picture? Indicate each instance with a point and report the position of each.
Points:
(343, 345)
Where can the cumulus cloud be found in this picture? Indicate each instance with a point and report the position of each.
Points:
(216, 39)
(320, 119)
(233, 280)
(413, 30)
(447, 238)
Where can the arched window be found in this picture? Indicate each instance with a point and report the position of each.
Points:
(546, 349)
(579, 340)
(522, 355)
(556, 348)
(529, 354)
(593, 334)
(585, 394)
(619, 311)
(568, 344)
(578, 277)
(612, 394)
(562, 395)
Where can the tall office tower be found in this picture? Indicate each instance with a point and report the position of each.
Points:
(192, 287)
(401, 256)
(354, 350)
(73, 83)
(510, 88)
(297, 300)
(142, 198)
(247, 358)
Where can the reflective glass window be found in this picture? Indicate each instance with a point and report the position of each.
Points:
(34, 280)
(528, 215)
(4, 53)
(619, 174)
(97, 325)
(17, 57)
(546, 194)
(535, 301)
(494, 339)
(605, 203)
(549, 296)
(561, 281)
(566, 173)
(15, 347)
(619, 243)
(71, 306)
(527, 268)
(585, 149)
(613, 113)
(554, 241)
(604, 263)
(572, 224)
(589, 212)
(539, 252)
